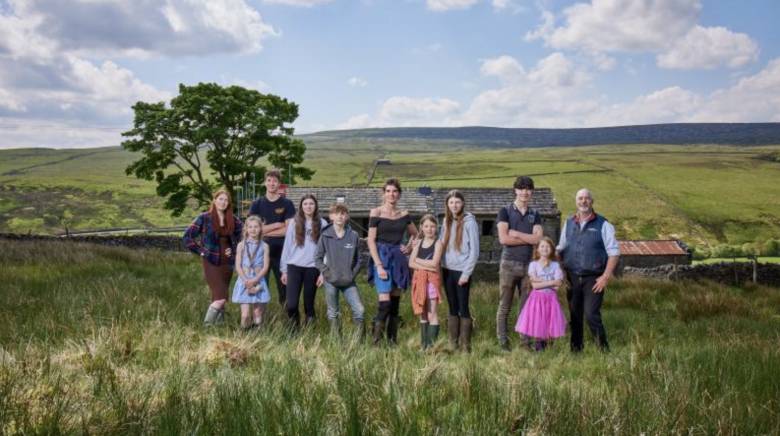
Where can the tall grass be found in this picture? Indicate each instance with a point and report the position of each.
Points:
(108, 340)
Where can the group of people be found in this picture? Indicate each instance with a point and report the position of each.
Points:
(304, 252)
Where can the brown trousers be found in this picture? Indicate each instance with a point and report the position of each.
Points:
(512, 277)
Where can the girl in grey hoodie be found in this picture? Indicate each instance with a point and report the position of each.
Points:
(460, 237)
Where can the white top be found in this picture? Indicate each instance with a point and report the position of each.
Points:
(302, 256)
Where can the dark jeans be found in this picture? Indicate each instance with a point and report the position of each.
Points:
(457, 296)
(297, 278)
(583, 301)
(275, 255)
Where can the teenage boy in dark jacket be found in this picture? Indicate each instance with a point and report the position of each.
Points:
(338, 260)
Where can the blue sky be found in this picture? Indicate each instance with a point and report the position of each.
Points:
(70, 70)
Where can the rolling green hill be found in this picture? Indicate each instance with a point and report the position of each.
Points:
(491, 137)
(704, 194)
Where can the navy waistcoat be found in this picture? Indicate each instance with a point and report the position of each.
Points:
(585, 253)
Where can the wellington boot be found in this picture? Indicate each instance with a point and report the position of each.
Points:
(220, 320)
(465, 334)
(211, 317)
(424, 344)
(433, 334)
(392, 329)
(453, 327)
(379, 332)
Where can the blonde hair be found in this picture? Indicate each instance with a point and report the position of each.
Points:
(251, 219)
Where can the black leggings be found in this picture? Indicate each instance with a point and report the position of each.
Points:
(297, 278)
(457, 296)
(275, 256)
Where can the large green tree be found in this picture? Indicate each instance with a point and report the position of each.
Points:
(211, 136)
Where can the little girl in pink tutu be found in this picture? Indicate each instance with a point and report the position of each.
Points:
(542, 318)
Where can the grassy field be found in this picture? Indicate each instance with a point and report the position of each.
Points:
(704, 195)
(108, 340)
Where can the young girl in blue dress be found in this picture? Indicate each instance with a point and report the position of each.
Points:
(542, 318)
(252, 263)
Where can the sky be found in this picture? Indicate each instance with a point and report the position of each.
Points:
(70, 70)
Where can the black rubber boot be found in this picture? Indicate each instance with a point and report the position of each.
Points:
(392, 329)
(433, 334)
(424, 344)
(379, 332)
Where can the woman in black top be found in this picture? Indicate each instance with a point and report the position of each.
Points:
(388, 267)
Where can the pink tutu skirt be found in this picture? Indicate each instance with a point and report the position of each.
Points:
(542, 317)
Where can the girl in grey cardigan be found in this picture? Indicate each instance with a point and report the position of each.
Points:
(460, 236)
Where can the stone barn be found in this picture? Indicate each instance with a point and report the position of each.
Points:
(649, 254)
(484, 203)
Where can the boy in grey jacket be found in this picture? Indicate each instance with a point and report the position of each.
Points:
(338, 260)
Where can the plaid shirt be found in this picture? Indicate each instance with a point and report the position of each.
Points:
(201, 238)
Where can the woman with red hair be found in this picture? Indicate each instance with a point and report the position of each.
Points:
(214, 235)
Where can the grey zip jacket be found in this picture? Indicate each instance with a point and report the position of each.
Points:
(465, 259)
(337, 258)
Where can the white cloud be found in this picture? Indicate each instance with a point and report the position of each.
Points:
(446, 5)
(10, 102)
(555, 93)
(402, 111)
(624, 25)
(407, 111)
(545, 28)
(362, 121)
(19, 132)
(549, 94)
(505, 67)
(508, 5)
(667, 28)
(300, 3)
(709, 47)
(357, 82)
(752, 98)
(56, 81)
(146, 27)
(257, 85)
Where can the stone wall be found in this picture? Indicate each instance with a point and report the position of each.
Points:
(161, 242)
(731, 273)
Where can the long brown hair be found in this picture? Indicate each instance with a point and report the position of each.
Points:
(230, 224)
(449, 218)
(300, 221)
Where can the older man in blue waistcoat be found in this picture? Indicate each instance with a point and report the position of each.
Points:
(590, 253)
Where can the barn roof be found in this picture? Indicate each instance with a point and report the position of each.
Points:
(479, 201)
(487, 201)
(652, 248)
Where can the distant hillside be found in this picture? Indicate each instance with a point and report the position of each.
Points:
(693, 133)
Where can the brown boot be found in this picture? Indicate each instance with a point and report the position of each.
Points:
(465, 334)
(453, 327)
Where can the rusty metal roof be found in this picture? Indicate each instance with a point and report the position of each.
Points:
(651, 248)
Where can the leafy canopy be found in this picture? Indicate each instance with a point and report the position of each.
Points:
(212, 136)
